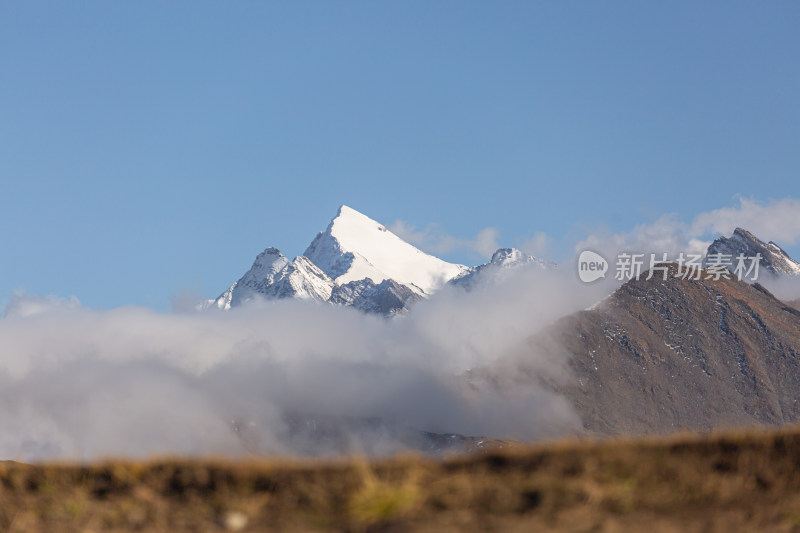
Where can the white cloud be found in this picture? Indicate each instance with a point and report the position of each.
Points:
(665, 235)
(433, 239)
(25, 305)
(485, 242)
(776, 220)
(538, 245)
(81, 383)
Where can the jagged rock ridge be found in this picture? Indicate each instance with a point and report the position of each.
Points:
(774, 259)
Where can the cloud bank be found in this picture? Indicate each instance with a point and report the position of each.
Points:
(81, 383)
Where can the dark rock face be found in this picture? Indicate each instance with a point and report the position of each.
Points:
(309, 435)
(659, 356)
(386, 298)
(773, 259)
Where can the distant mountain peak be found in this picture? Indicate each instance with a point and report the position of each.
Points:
(303, 280)
(266, 267)
(355, 247)
(744, 234)
(506, 257)
(773, 258)
(348, 212)
(356, 262)
(503, 260)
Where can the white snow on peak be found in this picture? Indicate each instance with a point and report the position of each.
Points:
(355, 247)
(273, 276)
(261, 275)
(511, 257)
(223, 301)
(503, 261)
(267, 264)
(773, 258)
(301, 279)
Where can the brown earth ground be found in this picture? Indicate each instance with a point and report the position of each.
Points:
(743, 481)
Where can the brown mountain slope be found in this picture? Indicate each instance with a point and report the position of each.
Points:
(663, 355)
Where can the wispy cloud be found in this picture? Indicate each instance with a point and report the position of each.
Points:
(23, 305)
(433, 239)
(537, 245)
(776, 220)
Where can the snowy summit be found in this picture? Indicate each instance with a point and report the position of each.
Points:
(355, 262)
(355, 247)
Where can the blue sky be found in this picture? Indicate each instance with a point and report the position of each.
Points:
(151, 146)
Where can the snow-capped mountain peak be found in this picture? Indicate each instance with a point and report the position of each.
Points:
(355, 247)
(257, 280)
(773, 258)
(503, 260)
(303, 280)
(506, 257)
(267, 264)
(357, 262)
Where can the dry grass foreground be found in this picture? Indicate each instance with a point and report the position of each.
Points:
(747, 481)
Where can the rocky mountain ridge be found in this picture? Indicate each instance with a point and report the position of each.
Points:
(774, 260)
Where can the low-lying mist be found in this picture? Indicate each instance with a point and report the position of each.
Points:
(80, 383)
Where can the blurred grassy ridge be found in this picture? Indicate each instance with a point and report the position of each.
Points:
(739, 481)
